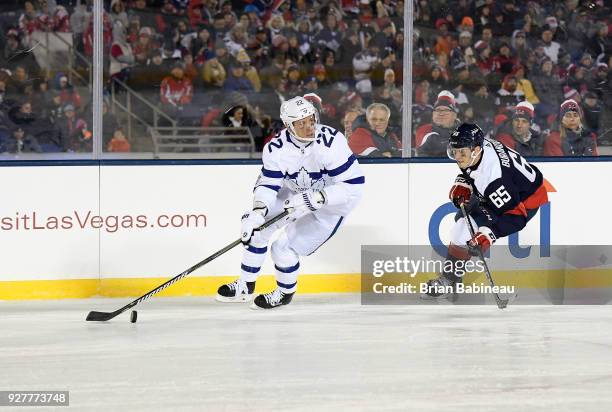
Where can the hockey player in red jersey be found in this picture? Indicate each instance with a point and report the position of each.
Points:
(502, 190)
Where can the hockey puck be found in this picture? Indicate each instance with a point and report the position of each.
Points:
(133, 316)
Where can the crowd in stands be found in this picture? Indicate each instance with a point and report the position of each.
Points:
(201, 59)
(212, 60)
(533, 74)
(232, 63)
(41, 110)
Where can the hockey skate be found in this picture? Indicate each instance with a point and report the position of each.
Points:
(440, 288)
(272, 300)
(237, 291)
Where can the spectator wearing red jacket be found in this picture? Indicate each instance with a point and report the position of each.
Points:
(371, 135)
(517, 133)
(176, 90)
(572, 139)
(432, 138)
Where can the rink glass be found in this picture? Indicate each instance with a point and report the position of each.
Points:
(121, 111)
(46, 83)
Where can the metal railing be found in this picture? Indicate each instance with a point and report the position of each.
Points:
(202, 142)
(73, 56)
(127, 107)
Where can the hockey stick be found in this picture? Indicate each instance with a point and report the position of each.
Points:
(104, 316)
(501, 303)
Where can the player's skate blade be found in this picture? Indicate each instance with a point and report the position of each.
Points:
(272, 300)
(439, 289)
(238, 291)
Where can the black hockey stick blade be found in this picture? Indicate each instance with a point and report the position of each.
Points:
(104, 316)
(101, 316)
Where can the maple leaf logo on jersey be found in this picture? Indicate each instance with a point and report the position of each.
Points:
(304, 181)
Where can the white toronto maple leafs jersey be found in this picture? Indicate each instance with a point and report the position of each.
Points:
(327, 163)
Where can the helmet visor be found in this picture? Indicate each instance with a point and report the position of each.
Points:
(455, 153)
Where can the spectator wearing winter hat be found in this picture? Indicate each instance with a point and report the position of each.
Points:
(144, 46)
(467, 24)
(586, 61)
(431, 139)
(559, 33)
(372, 136)
(67, 92)
(571, 138)
(197, 14)
(444, 40)
(578, 79)
(253, 13)
(463, 54)
(508, 95)
(121, 54)
(484, 61)
(387, 94)
(571, 93)
(518, 134)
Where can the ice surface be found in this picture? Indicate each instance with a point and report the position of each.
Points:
(322, 352)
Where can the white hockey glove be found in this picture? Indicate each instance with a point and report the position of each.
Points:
(308, 201)
(251, 221)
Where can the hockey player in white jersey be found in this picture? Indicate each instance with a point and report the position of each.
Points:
(309, 170)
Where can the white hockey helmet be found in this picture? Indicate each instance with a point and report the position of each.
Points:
(296, 109)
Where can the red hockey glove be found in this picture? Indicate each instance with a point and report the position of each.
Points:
(483, 239)
(460, 192)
